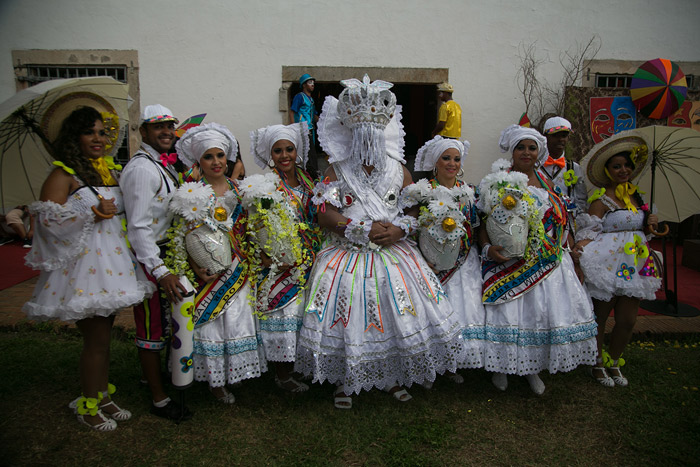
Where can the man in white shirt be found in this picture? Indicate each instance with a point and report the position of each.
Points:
(565, 173)
(148, 182)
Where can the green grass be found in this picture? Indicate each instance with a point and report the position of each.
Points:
(656, 421)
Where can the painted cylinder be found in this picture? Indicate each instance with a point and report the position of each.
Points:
(182, 341)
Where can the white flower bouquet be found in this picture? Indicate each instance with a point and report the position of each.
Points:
(440, 220)
(271, 219)
(205, 225)
(514, 219)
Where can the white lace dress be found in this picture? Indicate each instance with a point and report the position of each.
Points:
(618, 261)
(227, 343)
(374, 317)
(549, 326)
(86, 268)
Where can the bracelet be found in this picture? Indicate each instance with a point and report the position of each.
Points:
(153, 271)
(485, 251)
(357, 231)
(101, 215)
(406, 223)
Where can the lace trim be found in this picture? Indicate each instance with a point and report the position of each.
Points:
(609, 203)
(281, 324)
(368, 371)
(514, 359)
(528, 338)
(219, 349)
(47, 213)
(589, 227)
(229, 369)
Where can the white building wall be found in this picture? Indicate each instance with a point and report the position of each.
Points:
(224, 57)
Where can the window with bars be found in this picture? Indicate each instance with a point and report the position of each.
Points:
(39, 73)
(612, 81)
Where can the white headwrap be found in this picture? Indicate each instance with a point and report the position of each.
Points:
(511, 136)
(262, 140)
(198, 140)
(430, 152)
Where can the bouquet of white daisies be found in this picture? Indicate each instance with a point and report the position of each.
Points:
(441, 221)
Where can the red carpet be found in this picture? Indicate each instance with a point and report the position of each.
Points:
(13, 270)
(688, 279)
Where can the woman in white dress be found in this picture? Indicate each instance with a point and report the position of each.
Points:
(87, 270)
(617, 262)
(280, 281)
(538, 315)
(462, 277)
(376, 315)
(226, 349)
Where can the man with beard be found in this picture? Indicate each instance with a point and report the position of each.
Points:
(148, 183)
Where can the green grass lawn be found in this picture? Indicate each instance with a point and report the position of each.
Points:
(655, 421)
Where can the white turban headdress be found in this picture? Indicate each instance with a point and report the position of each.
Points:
(511, 136)
(198, 140)
(262, 140)
(430, 152)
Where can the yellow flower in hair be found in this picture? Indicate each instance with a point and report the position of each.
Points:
(639, 154)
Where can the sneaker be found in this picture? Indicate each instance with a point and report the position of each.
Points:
(27, 243)
(5, 240)
(172, 411)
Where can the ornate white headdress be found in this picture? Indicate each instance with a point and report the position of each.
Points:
(430, 152)
(364, 123)
(262, 140)
(512, 135)
(196, 141)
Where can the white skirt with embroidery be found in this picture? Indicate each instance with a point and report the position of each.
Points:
(228, 349)
(464, 294)
(376, 318)
(551, 327)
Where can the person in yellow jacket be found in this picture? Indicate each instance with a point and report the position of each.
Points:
(449, 123)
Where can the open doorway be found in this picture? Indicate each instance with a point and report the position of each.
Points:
(415, 90)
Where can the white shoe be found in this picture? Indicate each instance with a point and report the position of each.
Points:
(500, 380)
(536, 384)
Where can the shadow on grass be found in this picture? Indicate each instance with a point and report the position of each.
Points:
(576, 422)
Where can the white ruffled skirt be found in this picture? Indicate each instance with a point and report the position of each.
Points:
(228, 349)
(464, 294)
(551, 327)
(374, 319)
(99, 281)
(609, 271)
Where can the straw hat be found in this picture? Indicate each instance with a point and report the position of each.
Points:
(62, 107)
(446, 87)
(598, 156)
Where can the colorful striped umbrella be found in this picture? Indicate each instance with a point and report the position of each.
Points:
(193, 121)
(658, 88)
(524, 120)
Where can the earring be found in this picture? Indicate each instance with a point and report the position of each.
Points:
(461, 172)
(271, 163)
(434, 171)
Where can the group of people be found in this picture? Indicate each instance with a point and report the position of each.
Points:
(361, 278)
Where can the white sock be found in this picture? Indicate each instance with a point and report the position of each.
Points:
(536, 384)
(500, 380)
(162, 403)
